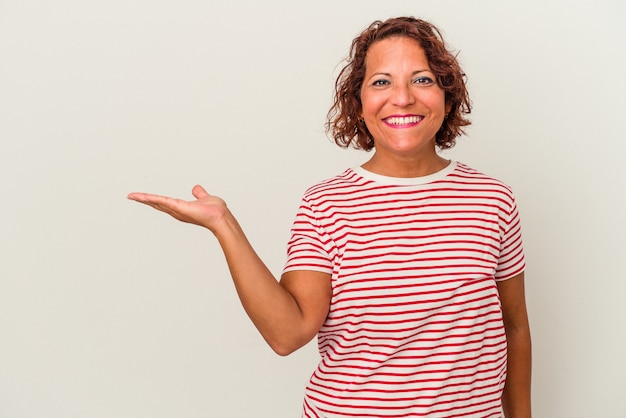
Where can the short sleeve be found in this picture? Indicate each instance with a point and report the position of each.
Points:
(310, 247)
(511, 261)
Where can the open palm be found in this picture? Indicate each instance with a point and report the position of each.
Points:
(206, 210)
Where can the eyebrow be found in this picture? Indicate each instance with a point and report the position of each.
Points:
(412, 74)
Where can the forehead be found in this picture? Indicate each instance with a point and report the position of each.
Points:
(394, 51)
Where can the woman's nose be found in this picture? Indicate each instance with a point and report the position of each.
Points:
(402, 95)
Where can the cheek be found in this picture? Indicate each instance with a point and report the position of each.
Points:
(369, 105)
(438, 100)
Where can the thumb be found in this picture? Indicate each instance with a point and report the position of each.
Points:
(199, 192)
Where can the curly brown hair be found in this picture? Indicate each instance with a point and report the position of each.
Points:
(343, 117)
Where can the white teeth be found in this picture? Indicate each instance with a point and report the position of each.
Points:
(397, 120)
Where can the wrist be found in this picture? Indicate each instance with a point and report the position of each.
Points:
(225, 227)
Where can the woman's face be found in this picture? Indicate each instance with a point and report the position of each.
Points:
(402, 104)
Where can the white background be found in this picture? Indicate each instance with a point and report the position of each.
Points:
(111, 309)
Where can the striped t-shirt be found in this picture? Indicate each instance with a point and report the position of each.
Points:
(415, 324)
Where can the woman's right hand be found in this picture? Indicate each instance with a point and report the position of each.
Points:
(207, 210)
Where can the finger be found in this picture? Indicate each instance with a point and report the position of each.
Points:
(136, 196)
(164, 204)
(143, 197)
(199, 192)
(154, 200)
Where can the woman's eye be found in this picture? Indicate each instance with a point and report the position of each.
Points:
(380, 83)
(423, 80)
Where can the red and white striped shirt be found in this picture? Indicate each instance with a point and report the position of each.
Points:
(415, 324)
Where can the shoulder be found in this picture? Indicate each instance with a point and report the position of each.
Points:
(344, 183)
(478, 184)
(464, 174)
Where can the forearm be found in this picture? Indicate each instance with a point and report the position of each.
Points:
(287, 315)
(273, 310)
(516, 396)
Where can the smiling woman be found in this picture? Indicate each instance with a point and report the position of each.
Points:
(409, 268)
(344, 116)
(402, 108)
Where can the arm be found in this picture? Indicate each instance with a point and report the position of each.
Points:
(289, 313)
(516, 396)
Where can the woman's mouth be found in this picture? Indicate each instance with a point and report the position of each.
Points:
(402, 121)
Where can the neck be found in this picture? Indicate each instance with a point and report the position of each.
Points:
(406, 167)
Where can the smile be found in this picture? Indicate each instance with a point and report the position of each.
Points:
(402, 120)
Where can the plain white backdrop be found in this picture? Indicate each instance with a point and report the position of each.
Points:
(110, 309)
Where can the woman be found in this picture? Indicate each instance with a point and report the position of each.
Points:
(409, 268)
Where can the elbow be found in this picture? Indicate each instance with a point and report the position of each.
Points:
(285, 346)
(285, 340)
(283, 349)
